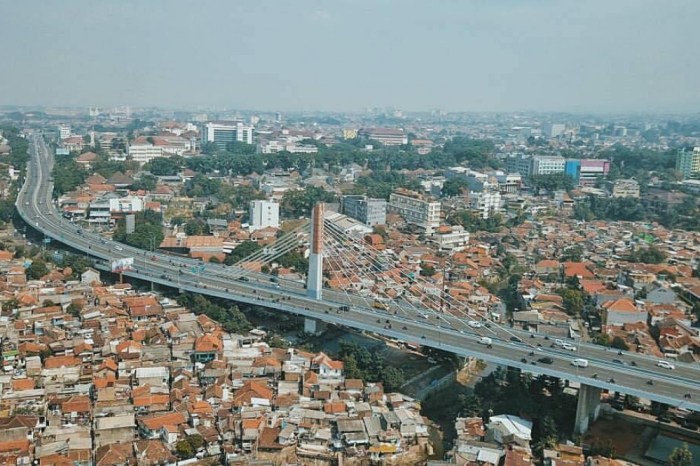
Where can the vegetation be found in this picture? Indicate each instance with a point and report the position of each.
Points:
(361, 364)
(187, 447)
(551, 183)
(650, 255)
(380, 184)
(37, 269)
(243, 250)
(680, 456)
(231, 318)
(148, 231)
(473, 222)
(298, 203)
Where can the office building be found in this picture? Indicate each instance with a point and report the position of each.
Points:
(587, 171)
(688, 163)
(144, 153)
(366, 210)
(451, 238)
(535, 165)
(64, 132)
(264, 214)
(415, 209)
(386, 136)
(486, 203)
(553, 130)
(225, 132)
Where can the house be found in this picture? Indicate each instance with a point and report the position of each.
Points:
(207, 348)
(622, 311)
(327, 367)
(506, 429)
(90, 276)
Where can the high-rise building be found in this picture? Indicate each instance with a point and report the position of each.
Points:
(264, 214)
(688, 163)
(587, 171)
(366, 210)
(535, 165)
(553, 130)
(224, 132)
(64, 132)
(485, 203)
(415, 209)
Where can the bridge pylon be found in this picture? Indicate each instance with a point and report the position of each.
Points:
(314, 280)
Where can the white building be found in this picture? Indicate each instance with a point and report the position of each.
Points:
(144, 153)
(553, 130)
(454, 238)
(485, 203)
(64, 132)
(625, 188)
(547, 165)
(224, 132)
(415, 209)
(264, 214)
(273, 147)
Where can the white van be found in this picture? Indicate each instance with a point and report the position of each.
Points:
(580, 362)
(484, 341)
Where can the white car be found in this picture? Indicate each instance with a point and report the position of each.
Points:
(484, 341)
(568, 347)
(559, 342)
(665, 365)
(474, 324)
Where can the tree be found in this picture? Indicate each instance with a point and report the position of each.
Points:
(680, 456)
(37, 269)
(299, 203)
(470, 405)
(573, 300)
(184, 449)
(164, 166)
(393, 378)
(619, 343)
(243, 250)
(455, 187)
(74, 309)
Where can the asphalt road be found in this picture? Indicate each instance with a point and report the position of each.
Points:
(628, 373)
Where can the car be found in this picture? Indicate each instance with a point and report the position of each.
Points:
(559, 342)
(243, 279)
(516, 339)
(546, 360)
(484, 341)
(568, 347)
(618, 361)
(118, 248)
(345, 308)
(578, 362)
(665, 365)
(474, 324)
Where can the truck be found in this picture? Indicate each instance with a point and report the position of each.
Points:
(579, 362)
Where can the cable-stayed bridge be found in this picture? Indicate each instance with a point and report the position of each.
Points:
(370, 292)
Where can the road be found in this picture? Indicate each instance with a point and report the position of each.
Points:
(625, 372)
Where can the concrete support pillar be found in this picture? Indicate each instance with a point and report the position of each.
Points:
(313, 326)
(314, 281)
(587, 409)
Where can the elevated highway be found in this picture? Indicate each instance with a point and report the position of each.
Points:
(624, 372)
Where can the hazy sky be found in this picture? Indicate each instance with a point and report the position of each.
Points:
(459, 55)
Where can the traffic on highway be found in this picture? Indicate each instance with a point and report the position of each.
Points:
(673, 383)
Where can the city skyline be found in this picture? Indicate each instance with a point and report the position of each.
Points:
(625, 57)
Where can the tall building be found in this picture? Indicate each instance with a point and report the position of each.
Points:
(485, 203)
(587, 171)
(224, 132)
(366, 210)
(264, 214)
(415, 209)
(144, 153)
(553, 130)
(64, 132)
(536, 165)
(688, 163)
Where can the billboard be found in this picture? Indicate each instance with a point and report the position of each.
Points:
(123, 265)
